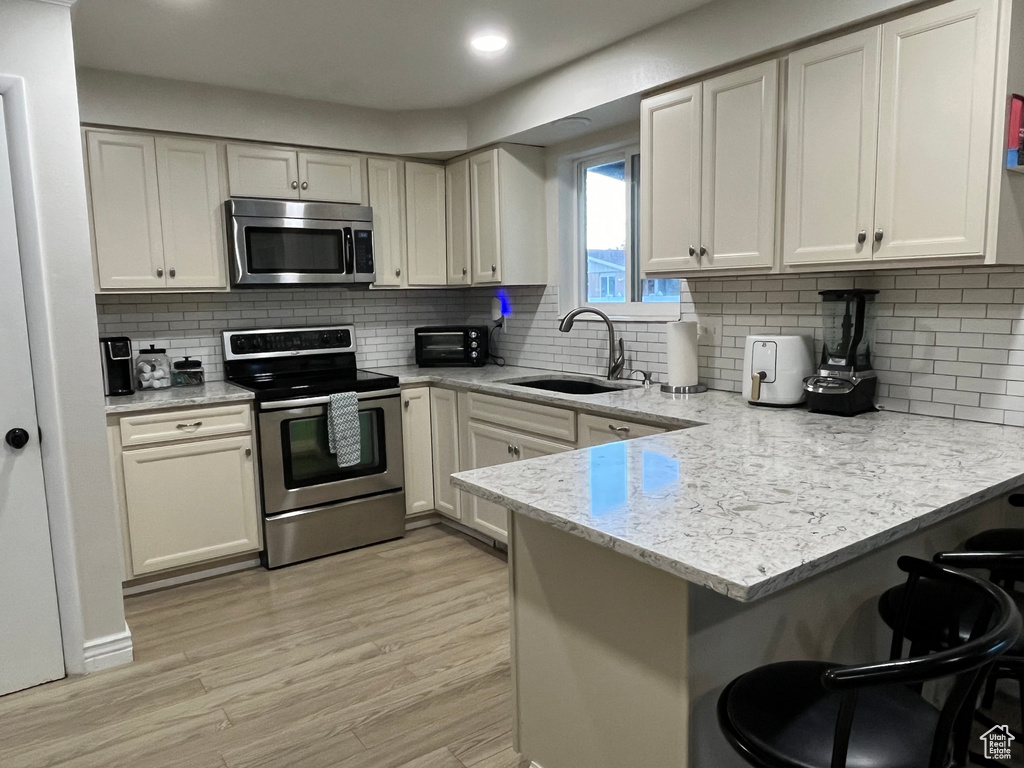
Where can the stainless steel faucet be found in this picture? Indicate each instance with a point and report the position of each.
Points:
(615, 362)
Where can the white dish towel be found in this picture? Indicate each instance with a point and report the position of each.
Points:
(343, 438)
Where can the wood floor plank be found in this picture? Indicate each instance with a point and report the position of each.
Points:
(391, 656)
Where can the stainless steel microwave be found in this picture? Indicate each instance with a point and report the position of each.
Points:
(289, 242)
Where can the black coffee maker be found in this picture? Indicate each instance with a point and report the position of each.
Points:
(845, 383)
(116, 360)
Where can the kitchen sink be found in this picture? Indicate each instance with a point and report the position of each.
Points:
(571, 386)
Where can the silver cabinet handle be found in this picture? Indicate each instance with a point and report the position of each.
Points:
(464, 271)
(620, 430)
(703, 251)
(494, 268)
(305, 185)
(515, 450)
(159, 271)
(510, 449)
(248, 453)
(405, 405)
(862, 237)
(172, 273)
(398, 272)
(295, 185)
(191, 425)
(879, 234)
(693, 251)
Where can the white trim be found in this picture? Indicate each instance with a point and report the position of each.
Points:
(65, 3)
(152, 586)
(109, 651)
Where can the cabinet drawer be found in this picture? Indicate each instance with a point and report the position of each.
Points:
(598, 430)
(558, 423)
(168, 426)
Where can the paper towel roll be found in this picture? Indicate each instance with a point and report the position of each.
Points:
(682, 353)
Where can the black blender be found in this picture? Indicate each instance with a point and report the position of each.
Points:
(845, 383)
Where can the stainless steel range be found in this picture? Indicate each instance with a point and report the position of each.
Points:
(312, 507)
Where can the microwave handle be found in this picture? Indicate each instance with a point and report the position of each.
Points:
(350, 252)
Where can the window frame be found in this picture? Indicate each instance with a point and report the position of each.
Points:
(632, 309)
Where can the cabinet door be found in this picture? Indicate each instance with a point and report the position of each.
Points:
(255, 171)
(444, 438)
(599, 430)
(330, 176)
(487, 447)
(419, 466)
(425, 224)
(457, 214)
(670, 156)
(739, 141)
(388, 224)
(191, 213)
(190, 502)
(485, 217)
(831, 127)
(125, 210)
(527, 447)
(935, 131)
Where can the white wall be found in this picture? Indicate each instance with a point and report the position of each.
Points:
(49, 187)
(132, 101)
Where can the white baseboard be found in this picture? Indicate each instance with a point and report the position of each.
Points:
(109, 651)
(173, 581)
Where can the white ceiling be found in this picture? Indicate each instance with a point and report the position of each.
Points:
(386, 54)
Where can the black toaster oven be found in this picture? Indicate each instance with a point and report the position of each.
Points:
(451, 345)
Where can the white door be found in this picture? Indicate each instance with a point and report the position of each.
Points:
(125, 210)
(330, 176)
(30, 641)
(191, 213)
(419, 465)
(255, 171)
(388, 233)
(831, 127)
(457, 212)
(425, 224)
(739, 141)
(935, 131)
(488, 447)
(670, 155)
(444, 440)
(485, 217)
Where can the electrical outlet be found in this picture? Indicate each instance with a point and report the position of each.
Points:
(709, 332)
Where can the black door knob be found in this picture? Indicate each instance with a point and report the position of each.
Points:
(17, 438)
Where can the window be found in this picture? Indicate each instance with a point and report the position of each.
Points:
(608, 192)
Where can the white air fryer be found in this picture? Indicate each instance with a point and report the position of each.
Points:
(774, 369)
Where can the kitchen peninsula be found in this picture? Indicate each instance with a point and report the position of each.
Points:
(647, 574)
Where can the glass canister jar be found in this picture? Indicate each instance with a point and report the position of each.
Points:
(152, 368)
(188, 373)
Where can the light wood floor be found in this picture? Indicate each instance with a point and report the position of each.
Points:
(392, 656)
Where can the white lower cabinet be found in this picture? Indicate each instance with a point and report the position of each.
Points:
(416, 440)
(190, 501)
(599, 430)
(444, 438)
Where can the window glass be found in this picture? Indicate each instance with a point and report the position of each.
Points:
(606, 206)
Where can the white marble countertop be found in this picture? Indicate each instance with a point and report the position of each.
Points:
(753, 500)
(177, 397)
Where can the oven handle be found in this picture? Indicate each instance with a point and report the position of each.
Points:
(305, 402)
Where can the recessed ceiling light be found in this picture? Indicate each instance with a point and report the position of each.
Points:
(489, 42)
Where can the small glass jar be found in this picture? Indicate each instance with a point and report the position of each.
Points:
(188, 373)
(152, 368)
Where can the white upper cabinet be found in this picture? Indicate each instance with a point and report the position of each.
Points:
(670, 156)
(156, 205)
(125, 206)
(191, 212)
(457, 214)
(258, 171)
(740, 146)
(255, 170)
(425, 224)
(330, 176)
(831, 125)
(935, 131)
(388, 221)
(485, 215)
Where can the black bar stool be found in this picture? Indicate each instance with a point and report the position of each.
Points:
(809, 714)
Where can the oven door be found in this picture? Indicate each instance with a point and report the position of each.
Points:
(269, 251)
(297, 469)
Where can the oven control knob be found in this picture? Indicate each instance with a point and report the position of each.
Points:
(326, 339)
(473, 334)
(474, 355)
(341, 338)
(240, 343)
(473, 345)
(257, 343)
